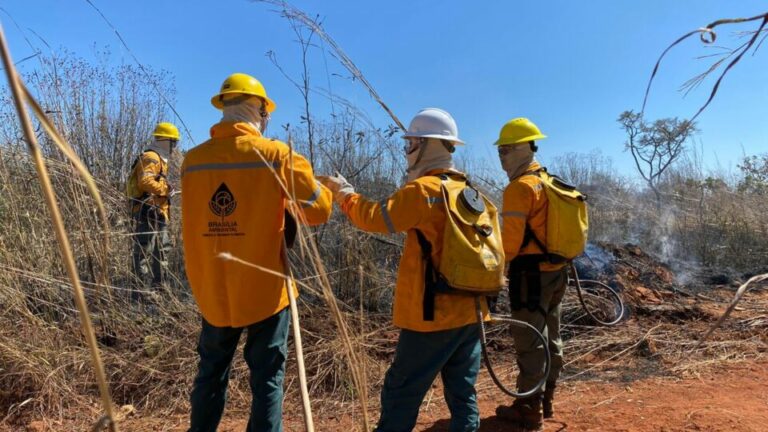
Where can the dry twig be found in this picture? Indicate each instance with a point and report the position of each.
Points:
(708, 36)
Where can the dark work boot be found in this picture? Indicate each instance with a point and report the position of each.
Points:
(546, 403)
(524, 413)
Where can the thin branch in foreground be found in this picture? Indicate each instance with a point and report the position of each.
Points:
(739, 293)
(291, 12)
(65, 248)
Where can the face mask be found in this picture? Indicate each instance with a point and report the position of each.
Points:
(264, 123)
(428, 156)
(248, 111)
(163, 147)
(515, 160)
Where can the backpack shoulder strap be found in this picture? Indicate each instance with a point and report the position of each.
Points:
(434, 282)
(428, 303)
(536, 172)
(531, 236)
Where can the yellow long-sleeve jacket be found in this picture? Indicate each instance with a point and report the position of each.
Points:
(233, 202)
(418, 205)
(525, 201)
(151, 171)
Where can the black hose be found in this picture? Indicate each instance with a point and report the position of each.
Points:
(522, 324)
(617, 299)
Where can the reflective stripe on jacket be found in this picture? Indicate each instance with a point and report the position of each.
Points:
(151, 171)
(418, 205)
(232, 202)
(525, 200)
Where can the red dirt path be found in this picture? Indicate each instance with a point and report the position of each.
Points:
(729, 398)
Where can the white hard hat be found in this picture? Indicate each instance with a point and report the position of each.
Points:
(433, 123)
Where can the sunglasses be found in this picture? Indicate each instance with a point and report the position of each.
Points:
(509, 149)
(411, 145)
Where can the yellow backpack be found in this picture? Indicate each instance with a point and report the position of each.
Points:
(472, 257)
(132, 190)
(567, 220)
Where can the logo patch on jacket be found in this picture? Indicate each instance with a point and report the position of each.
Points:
(222, 202)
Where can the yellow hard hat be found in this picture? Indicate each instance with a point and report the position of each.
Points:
(242, 84)
(518, 131)
(166, 130)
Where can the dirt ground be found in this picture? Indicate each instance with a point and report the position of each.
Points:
(732, 397)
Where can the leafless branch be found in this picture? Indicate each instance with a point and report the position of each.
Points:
(708, 36)
(293, 13)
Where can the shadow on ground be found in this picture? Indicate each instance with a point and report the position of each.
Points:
(495, 424)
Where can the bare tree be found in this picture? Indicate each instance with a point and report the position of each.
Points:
(655, 146)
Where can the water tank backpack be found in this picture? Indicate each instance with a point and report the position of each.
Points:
(472, 257)
(132, 190)
(567, 220)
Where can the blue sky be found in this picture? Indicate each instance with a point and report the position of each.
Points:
(572, 67)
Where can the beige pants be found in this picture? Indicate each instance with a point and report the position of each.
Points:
(530, 352)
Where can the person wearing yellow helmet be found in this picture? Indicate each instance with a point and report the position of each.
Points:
(536, 286)
(243, 98)
(149, 193)
(233, 201)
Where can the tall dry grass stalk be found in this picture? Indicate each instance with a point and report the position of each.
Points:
(20, 95)
(309, 250)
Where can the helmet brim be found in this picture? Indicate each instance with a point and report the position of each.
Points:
(269, 104)
(500, 142)
(161, 135)
(452, 139)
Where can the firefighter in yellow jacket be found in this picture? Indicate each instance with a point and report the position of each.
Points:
(150, 208)
(439, 334)
(233, 202)
(536, 287)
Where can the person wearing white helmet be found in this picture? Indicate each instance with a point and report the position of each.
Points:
(439, 331)
(432, 137)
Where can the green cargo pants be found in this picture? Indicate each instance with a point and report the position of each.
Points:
(530, 352)
(265, 351)
(150, 249)
(420, 357)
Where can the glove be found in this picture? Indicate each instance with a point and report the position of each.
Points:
(339, 187)
(171, 191)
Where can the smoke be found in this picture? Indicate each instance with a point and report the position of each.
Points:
(595, 263)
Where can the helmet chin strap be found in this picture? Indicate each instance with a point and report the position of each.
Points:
(423, 147)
